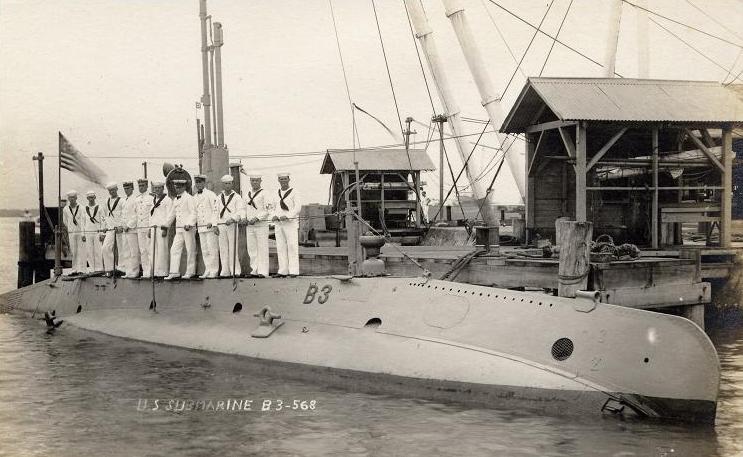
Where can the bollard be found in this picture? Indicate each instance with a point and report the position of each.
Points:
(574, 240)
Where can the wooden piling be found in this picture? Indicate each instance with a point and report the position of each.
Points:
(26, 253)
(574, 240)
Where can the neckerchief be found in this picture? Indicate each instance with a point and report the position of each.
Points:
(252, 196)
(225, 204)
(92, 216)
(281, 202)
(156, 204)
(74, 215)
(111, 209)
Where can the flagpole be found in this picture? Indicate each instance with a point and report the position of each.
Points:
(57, 228)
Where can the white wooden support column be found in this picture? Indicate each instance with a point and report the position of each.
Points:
(580, 172)
(726, 199)
(655, 211)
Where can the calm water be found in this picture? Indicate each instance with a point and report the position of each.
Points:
(79, 393)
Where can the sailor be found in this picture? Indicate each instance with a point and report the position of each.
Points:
(143, 207)
(72, 218)
(159, 211)
(231, 209)
(257, 214)
(114, 229)
(94, 226)
(183, 212)
(206, 220)
(286, 221)
(131, 244)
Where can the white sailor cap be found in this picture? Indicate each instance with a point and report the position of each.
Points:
(227, 178)
(157, 184)
(90, 193)
(112, 185)
(142, 181)
(72, 193)
(255, 176)
(199, 177)
(181, 182)
(127, 184)
(283, 174)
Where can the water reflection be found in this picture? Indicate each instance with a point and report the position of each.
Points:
(76, 393)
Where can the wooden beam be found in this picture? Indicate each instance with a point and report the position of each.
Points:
(534, 153)
(726, 198)
(568, 142)
(605, 148)
(531, 153)
(580, 173)
(654, 207)
(705, 150)
(549, 126)
(707, 138)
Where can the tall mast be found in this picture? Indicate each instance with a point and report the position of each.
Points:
(205, 97)
(218, 42)
(491, 102)
(473, 168)
(612, 37)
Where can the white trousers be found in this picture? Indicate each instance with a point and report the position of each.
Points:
(159, 250)
(94, 254)
(108, 250)
(257, 236)
(210, 252)
(287, 246)
(78, 252)
(227, 247)
(187, 239)
(132, 243)
(144, 251)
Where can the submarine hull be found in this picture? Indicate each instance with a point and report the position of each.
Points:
(414, 337)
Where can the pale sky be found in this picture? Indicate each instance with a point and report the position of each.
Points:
(120, 77)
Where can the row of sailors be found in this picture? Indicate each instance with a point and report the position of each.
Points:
(138, 224)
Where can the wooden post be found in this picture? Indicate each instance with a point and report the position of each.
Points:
(574, 240)
(726, 198)
(530, 187)
(694, 313)
(654, 215)
(580, 172)
(26, 253)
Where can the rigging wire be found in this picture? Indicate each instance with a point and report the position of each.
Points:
(550, 36)
(692, 47)
(464, 167)
(417, 53)
(387, 66)
(552, 46)
(355, 131)
(654, 13)
(712, 18)
(503, 38)
(536, 32)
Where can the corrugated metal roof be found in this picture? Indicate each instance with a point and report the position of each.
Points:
(376, 159)
(626, 100)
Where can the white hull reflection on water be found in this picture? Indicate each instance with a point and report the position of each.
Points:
(77, 393)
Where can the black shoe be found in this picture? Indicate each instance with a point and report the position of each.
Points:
(293, 276)
(279, 275)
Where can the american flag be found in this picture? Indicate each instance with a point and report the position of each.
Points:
(73, 160)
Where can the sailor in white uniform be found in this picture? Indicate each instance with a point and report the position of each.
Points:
(142, 209)
(159, 211)
(206, 220)
(257, 214)
(72, 217)
(286, 222)
(94, 225)
(183, 212)
(114, 229)
(131, 242)
(230, 209)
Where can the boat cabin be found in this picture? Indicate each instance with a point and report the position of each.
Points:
(388, 179)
